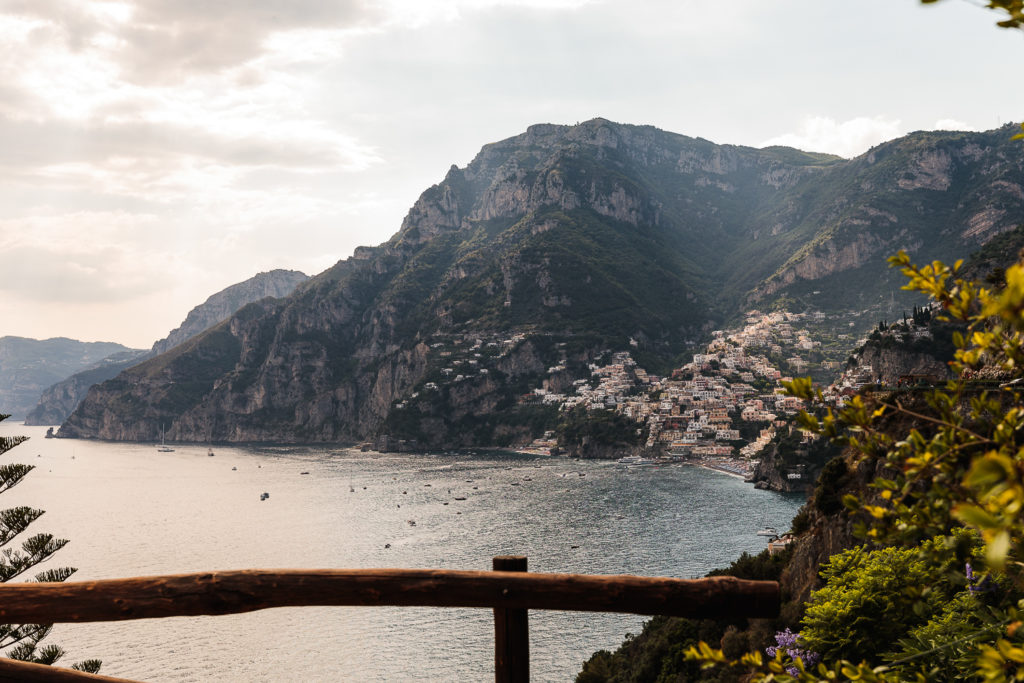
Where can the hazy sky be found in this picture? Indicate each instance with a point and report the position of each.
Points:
(153, 152)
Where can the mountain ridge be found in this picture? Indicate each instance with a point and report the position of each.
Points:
(27, 366)
(56, 403)
(582, 238)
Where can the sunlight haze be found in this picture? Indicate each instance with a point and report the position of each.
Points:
(154, 153)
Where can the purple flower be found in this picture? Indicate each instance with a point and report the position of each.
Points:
(972, 581)
(786, 641)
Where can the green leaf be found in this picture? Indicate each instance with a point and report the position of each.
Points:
(989, 470)
(975, 516)
(997, 550)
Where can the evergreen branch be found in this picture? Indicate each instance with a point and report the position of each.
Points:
(945, 646)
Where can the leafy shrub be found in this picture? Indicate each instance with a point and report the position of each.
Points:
(871, 599)
(946, 648)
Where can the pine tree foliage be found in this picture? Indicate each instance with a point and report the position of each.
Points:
(12, 474)
(23, 641)
(15, 520)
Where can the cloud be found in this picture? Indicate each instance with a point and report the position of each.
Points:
(82, 257)
(846, 139)
(952, 124)
(299, 144)
(158, 41)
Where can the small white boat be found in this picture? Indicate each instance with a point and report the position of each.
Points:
(636, 460)
(163, 448)
(766, 528)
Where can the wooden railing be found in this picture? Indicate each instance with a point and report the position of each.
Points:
(509, 590)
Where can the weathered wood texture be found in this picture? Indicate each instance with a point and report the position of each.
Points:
(232, 592)
(511, 632)
(27, 672)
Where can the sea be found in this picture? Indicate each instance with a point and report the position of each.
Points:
(130, 510)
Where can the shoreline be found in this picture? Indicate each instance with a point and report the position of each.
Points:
(719, 470)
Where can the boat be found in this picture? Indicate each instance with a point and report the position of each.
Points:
(636, 460)
(766, 528)
(163, 448)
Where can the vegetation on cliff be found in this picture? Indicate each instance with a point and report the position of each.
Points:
(928, 492)
(946, 514)
(595, 433)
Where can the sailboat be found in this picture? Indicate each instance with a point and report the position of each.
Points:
(766, 529)
(163, 448)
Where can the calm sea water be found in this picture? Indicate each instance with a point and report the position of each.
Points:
(131, 511)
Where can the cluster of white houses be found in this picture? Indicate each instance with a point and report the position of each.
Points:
(699, 409)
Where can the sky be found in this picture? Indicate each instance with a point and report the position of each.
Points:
(153, 152)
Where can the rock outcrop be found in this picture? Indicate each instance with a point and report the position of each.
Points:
(274, 284)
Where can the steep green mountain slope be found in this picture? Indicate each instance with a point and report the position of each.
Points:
(547, 249)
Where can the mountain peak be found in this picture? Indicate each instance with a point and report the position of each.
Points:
(547, 248)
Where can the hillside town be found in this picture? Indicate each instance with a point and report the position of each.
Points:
(719, 410)
(722, 408)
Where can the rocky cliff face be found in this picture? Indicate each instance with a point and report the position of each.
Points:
(586, 236)
(888, 365)
(907, 353)
(936, 195)
(59, 400)
(275, 284)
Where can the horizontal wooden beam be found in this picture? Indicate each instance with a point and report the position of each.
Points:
(28, 672)
(231, 592)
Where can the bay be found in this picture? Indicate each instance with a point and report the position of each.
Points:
(131, 511)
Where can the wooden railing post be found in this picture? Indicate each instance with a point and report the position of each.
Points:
(511, 632)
